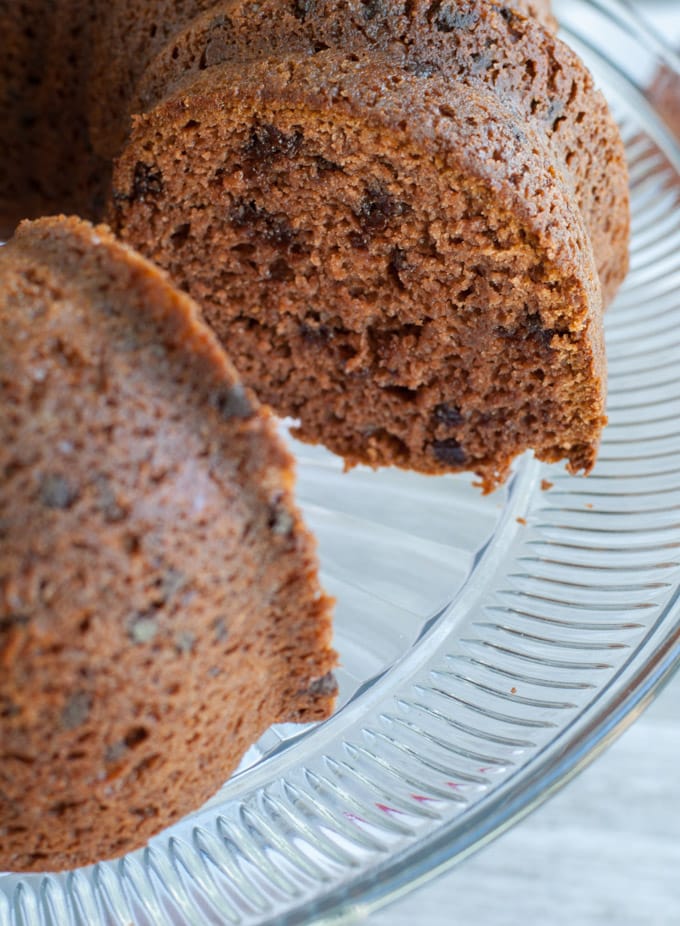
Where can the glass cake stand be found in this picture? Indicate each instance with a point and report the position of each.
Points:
(491, 647)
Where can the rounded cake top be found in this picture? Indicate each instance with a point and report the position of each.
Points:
(127, 438)
(89, 267)
(478, 44)
(119, 406)
(148, 547)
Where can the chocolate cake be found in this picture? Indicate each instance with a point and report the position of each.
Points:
(402, 220)
(67, 78)
(159, 603)
(129, 35)
(538, 77)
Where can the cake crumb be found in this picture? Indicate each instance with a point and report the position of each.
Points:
(522, 521)
(546, 485)
(513, 691)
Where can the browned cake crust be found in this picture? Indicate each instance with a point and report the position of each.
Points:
(392, 258)
(323, 271)
(159, 605)
(130, 34)
(482, 45)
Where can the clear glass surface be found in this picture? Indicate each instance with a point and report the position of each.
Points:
(490, 646)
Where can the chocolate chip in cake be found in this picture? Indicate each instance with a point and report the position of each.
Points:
(302, 9)
(372, 8)
(114, 752)
(316, 334)
(142, 628)
(147, 182)
(281, 522)
(266, 143)
(171, 582)
(448, 20)
(244, 214)
(185, 641)
(62, 807)
(422, 68)
(221, 630)
(10, 621)
(449, 451)
(274, 229)
(232, 402)
(107, 501)
(536, 330)
(448, 414)
(325, 685)
(135, 736)
(8, 708)
(378, 207)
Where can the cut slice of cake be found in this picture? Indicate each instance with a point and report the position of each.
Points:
(404, 242)
(159, 600)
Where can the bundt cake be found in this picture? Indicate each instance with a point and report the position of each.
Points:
(541, 80)
(418, 323)
(403, 220)
(159, 603)
(67, 76)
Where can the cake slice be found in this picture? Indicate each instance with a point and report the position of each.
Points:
(159, 600)
(404, 241)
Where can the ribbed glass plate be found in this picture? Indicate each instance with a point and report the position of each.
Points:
(490, 646)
